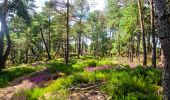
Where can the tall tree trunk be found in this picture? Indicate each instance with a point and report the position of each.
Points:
(26, 56)
(1, 49)
(79, 44)
(82, 45)
(58, 47)
(4, 30)
(45, 44)
(27, 47)
(49, 33)
(143, 33)
(153, 33)
(133, 47)
(164, 36)
(75, 46)
(149, 44)
(67, 38)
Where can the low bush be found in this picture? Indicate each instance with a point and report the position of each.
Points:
(121, 83)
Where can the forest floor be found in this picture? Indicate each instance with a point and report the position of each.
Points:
(20, 84)
(83, 79)
(84, 92)
(89, 91)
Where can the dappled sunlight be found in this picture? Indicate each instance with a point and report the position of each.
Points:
(109, 81)
(84, 50)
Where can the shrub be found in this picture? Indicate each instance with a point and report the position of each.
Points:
(92, 63)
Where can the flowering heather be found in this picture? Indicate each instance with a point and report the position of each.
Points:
(91, 69)
(132, 65)
(39, 79)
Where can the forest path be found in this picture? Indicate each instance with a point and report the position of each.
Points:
(36, 79)
(43, 77)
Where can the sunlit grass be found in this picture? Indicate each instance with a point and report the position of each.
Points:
(122, 84)
(8, 75)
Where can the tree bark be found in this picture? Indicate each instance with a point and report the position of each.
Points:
(133, 47)
(67, 38)
(27, 47)
(75, 46)
(79, 44)
(153, 33)
(4, 31)
(143, 33)
(45, 44)
(138, 47)
(149, 44)
(82, 45)
(164, 36)
(49, 34)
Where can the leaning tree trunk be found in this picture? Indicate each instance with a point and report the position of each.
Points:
(4, 31)
(153, 33)
(46, 45)
(164, 36)
(143, 33)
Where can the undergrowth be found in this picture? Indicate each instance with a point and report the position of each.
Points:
(122, 83)
(8, 75)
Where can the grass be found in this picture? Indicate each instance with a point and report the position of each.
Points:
(8, 75)
(122, 83)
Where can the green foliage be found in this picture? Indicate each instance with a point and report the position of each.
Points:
(8, 75)
(122, 84)
(21, 8)
(92, 63)
(123, 23)
(113, 13)
(98, 33)
(133, 84)
(129, 19)
(58, 66)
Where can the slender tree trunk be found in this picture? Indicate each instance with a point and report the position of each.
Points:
(62, 49)
(27, 47)
(75, 46)
(138, 47)
(164, 36)
(4, 30)
(67, 38)
(143, 33)
(26, 56)
(58, 47)
(20, 57)
(1, 49)
(79, 44)
(33, 51)
(82, 45)
(97, 45)
(49, 33)
(149, 44)
(45, 44)
(133, 47)
(153, 33)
